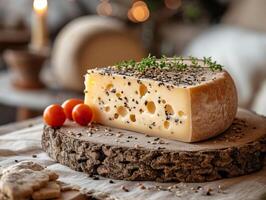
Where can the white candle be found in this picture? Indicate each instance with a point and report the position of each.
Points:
(39, 38)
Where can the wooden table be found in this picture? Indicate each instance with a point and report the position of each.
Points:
(30, 103)
(248, 187)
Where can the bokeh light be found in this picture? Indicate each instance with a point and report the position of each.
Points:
(172, 4)
(139, 12)
(104, 8)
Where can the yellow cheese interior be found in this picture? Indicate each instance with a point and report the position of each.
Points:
(140, 105)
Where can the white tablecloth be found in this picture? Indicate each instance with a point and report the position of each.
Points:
(21, 145)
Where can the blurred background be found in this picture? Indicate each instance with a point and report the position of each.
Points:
(46, 47)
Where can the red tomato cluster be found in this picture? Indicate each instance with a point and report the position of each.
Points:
(73, 109)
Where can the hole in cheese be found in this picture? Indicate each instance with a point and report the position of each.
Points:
(122, 111)
(116, 115)
(132, 117)
(166, 124)
(180, 113)
(106, 108)
(142, 90)
(118, 94)
(109, 87)
(151, 107)
(168, 109)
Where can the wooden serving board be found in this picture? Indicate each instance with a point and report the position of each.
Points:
(127, 155)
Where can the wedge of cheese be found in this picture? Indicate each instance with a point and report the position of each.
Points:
(189, 105)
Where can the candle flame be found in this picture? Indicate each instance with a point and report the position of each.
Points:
(40, 5)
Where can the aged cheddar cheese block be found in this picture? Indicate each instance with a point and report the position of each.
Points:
(186, 100)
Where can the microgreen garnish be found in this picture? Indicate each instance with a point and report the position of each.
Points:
(128, 63)
(212, 64)
(168, 63)
(194, 61)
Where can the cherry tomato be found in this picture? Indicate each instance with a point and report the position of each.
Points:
(82, 114)
(68, 106)
(54, 115)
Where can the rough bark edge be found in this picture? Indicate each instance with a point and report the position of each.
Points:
(153, 165)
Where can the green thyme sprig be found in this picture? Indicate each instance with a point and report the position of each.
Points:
(194, 61)
(166, 63)
(126, 63)
(178, 63)
(148, 62)
(213, 65)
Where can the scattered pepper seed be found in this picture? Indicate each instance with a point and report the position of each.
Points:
(124, 188)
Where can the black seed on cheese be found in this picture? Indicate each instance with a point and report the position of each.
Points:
(113, 90)
(188, 76)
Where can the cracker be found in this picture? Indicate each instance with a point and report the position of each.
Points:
(73, 195)
(52, 175)
(22, 183)
(3, 197)
(23, 165)
(21, 180)
(50, 191)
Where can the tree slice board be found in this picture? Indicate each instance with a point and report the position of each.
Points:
(121, 154)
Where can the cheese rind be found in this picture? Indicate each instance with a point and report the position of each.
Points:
(178, 109)
(213, 107)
